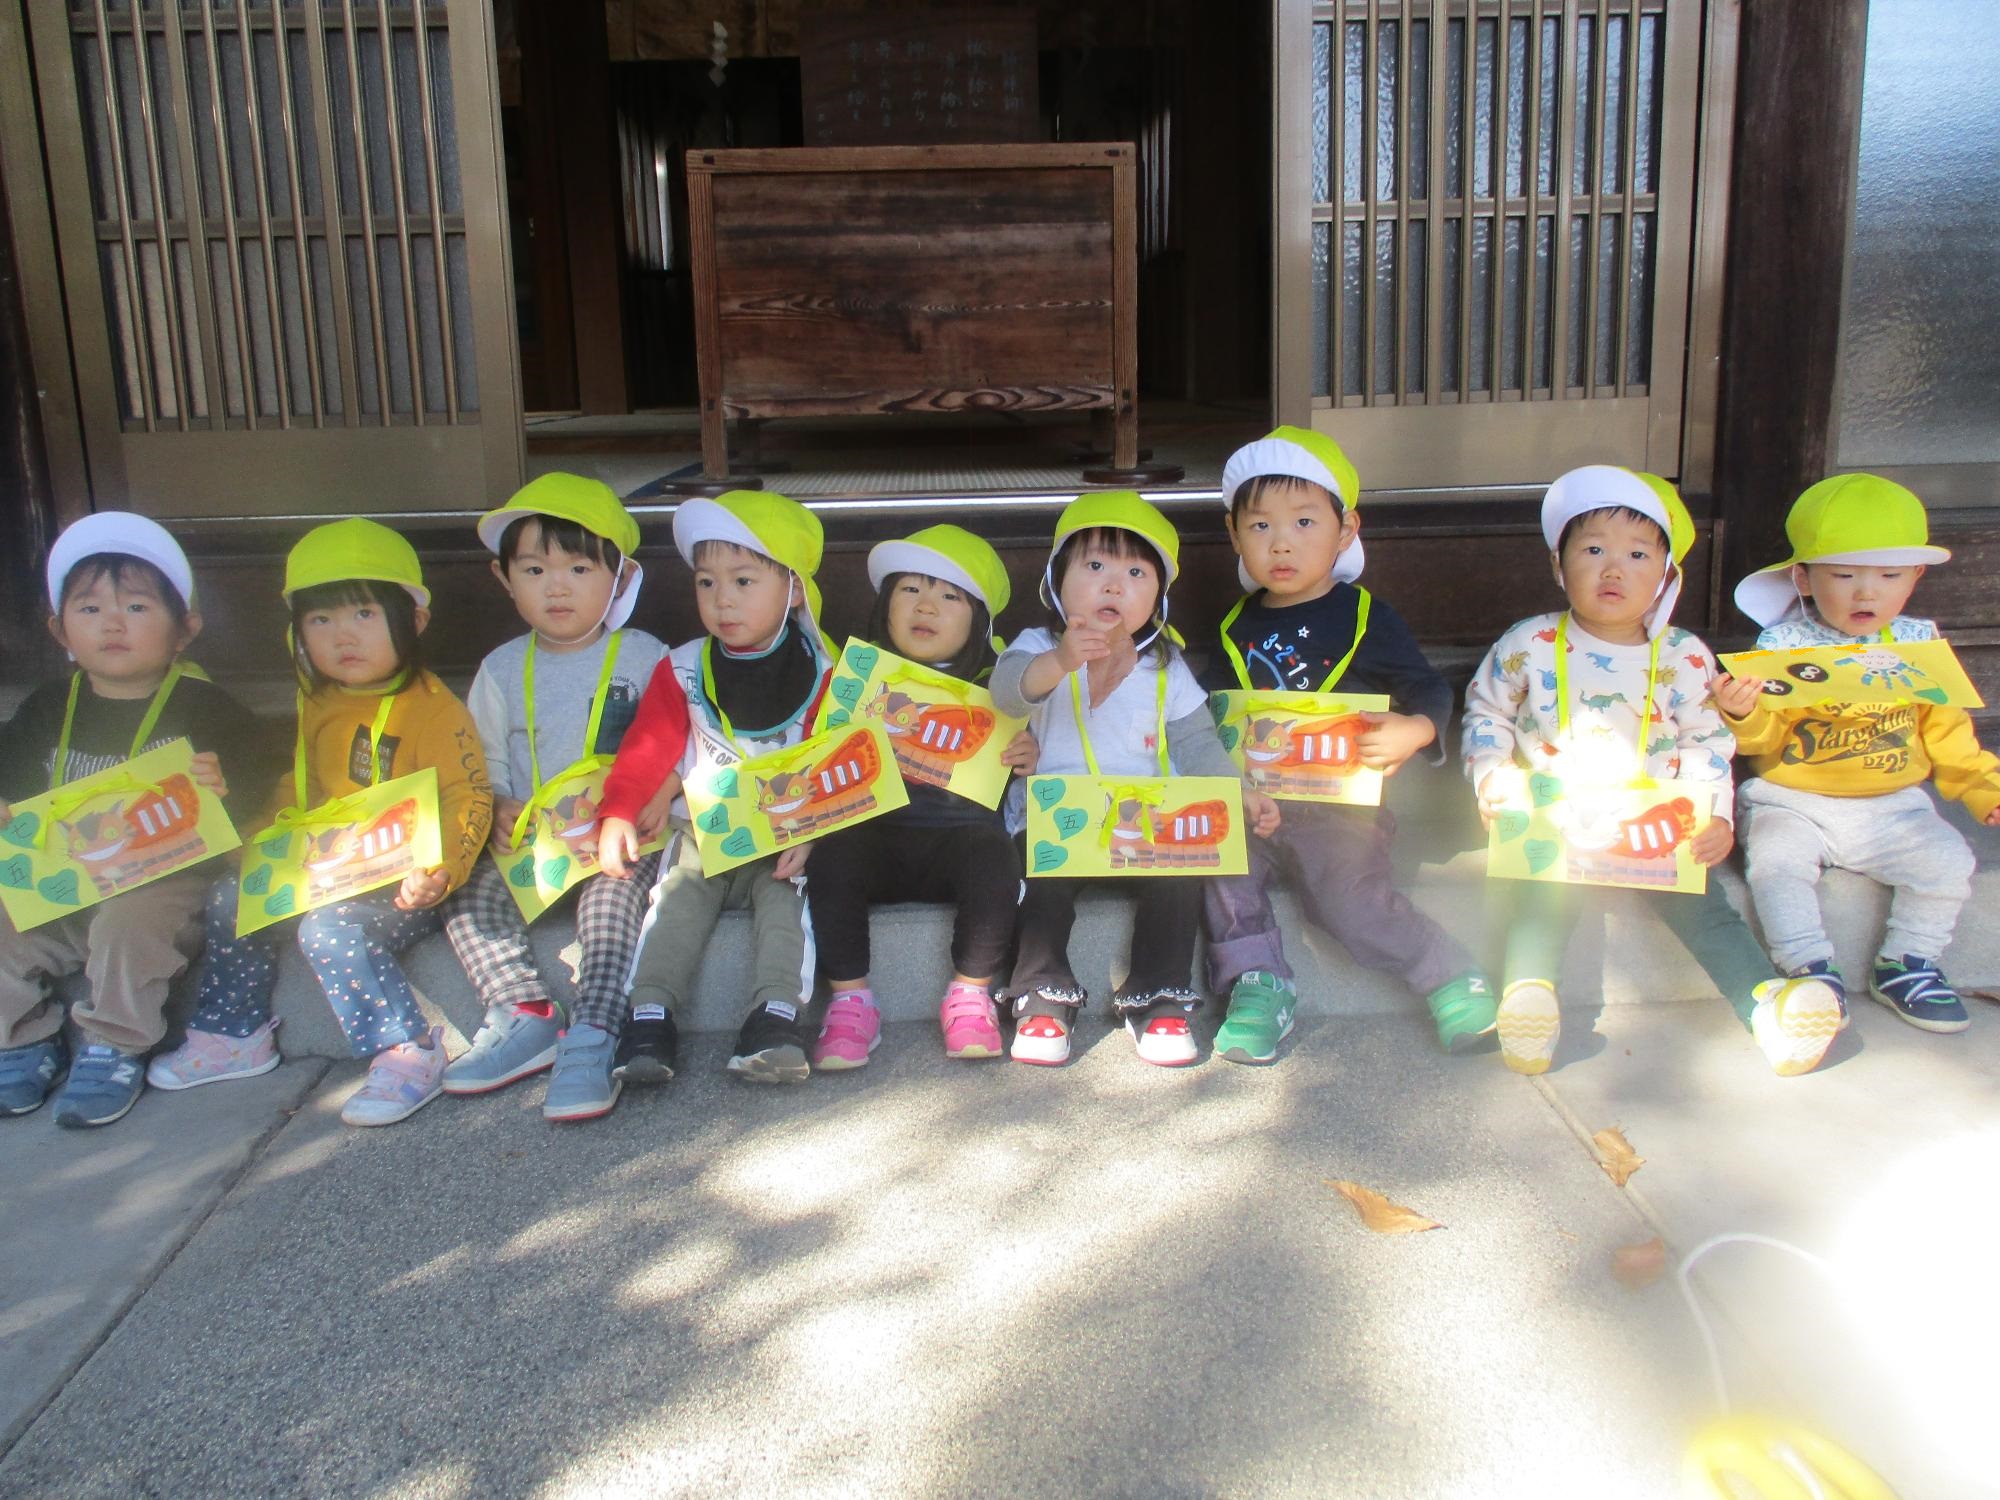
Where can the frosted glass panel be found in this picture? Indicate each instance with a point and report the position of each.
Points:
(1921, 336)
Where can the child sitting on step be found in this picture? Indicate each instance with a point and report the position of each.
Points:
(1106, 693)
(936, 595)
(122, 604)
(1307, 627)
(550, 703)
(1842, 784)
(368, 713)
(1609, 694)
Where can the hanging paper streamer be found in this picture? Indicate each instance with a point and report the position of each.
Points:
(557, 849)
(1867, 672)
(99, 835)
(1301, 747)
(759, 807)
(1623, 836)
(1136, 825)
(945, 731)
(325, 854)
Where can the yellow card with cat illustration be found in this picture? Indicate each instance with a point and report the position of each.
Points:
(759, 807)
(1136, 825)
(559, 848)
(360, 842)
(1301, 747)
(99, 835)
(1623, 835)
(1869, 672)
(945, 731)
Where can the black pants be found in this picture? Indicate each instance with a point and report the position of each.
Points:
(974, 865)
(1166, 921)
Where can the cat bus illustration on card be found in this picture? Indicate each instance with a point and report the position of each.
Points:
(1304, 747)
(125, 838)
(1187, 838)
(573, 819)
(355, 857)
(931, 740)
(836, 788)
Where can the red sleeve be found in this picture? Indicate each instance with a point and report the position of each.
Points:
(651, 749)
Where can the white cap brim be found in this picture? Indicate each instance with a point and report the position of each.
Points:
(127, 534)
(1276, 456)
(698, 521)
(1769, 596)
(886, 558)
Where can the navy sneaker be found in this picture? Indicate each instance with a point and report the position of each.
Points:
(102, 1086)
(28, 1073)
(649, 1048)
(1916, 991)
(1823, 970)
(771, 1047)
(583, 1086)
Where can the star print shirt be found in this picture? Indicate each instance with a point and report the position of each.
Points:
(1865, 749)
(1291, 649)
(1511, 713)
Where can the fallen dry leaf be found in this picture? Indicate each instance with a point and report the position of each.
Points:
(1619, 1160)
(1980, 994)
(1639, 1266)
(1379, 1214)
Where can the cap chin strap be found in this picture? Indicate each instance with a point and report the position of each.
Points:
(603, 620)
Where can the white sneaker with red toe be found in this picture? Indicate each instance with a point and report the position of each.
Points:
(1162, 1033)
(1041, 1034)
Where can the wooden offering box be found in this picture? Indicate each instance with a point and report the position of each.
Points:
(844, 281)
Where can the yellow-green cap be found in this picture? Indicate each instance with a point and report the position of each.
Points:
(1299, 453)
(948, 552)
(590, 503)
(1122, 510)
(1850, 518)
(762, 521)
(1608, 487)
(354, 548)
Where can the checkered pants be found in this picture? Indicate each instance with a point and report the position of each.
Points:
(491, 941)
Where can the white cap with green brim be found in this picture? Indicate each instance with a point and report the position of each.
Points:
(1608, 487)
(1861, 519)
(122, 533)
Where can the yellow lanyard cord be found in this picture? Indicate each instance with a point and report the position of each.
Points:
(596, 702)
(1083, 731)
(1339, 668)
(60, 772)
(1562, 690)
(374, 745)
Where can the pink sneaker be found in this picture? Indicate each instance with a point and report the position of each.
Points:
(400, 1082)
(852, 1028)
(210, 1057)
(971, 1029)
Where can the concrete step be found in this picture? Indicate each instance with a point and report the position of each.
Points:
(1621, 953)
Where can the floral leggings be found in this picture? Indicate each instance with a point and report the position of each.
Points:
(351, 946)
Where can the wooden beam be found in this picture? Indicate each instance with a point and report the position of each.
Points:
(1798, 114)
(593, 207)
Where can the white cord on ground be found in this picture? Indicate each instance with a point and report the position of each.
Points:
(1818, 1263)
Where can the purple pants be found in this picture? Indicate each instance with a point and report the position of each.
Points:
(1338, 861)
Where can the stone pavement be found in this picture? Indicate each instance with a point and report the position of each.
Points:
(941, 1279)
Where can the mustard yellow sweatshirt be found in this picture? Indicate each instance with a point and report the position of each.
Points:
(427, 726)
(1870, 750)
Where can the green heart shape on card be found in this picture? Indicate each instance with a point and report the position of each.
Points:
(1048, 790)
(840, 718)
(1541, 853)
(1933, 695)
(553, 871)
(17, 873)
(715, 820)
(740, 844)
(722, 784)
(1230, 734)
(1544, 789)
(283, 904)
(521, 874)
(258, 880)
(847, 690)
(861, 660)
(22, 830)
(1511, 824)
(1049, 856)
(1070, 822)
(58, 889)
(276, 848)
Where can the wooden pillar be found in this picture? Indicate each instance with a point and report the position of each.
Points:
(27, 518)
(1798, 114)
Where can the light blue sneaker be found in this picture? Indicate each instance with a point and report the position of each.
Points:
(28, 1073)
(512, 1044)
(581, 1087)
(103, 1085)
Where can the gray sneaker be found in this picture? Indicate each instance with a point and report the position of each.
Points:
(512, 1044)
(28, 1073)
(581, 1087)
(102, 1086)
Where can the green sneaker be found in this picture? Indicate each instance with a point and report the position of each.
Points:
(1261, 1007)
(1464, 1011)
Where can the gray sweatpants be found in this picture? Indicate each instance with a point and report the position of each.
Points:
(686, 905)
(1790, 836)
